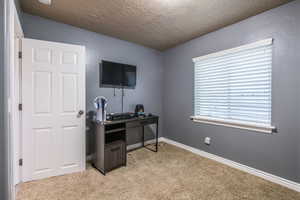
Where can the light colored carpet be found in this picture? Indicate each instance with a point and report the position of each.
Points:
(170, 174)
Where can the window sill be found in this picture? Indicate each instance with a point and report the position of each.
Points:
(234, 124)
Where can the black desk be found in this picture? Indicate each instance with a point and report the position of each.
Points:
(111, 141)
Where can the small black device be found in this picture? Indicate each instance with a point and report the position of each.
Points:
(117, 75)
(139, 109)
(120, 116)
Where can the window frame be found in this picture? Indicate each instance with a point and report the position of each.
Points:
(240, 124)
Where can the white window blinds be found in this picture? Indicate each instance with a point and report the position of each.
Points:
(235, 84)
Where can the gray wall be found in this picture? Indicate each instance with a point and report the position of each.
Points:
(277, 154)
(148, 90)
(3, 145)
(18, 7)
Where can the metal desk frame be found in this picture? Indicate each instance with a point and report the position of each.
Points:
(156, 137)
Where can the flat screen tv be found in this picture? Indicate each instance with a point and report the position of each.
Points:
(117, 75)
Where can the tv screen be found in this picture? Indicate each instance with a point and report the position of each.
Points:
(110, 74)
(114, 74)
(129, 76)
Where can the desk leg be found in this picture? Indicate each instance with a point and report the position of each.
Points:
(143, 136)
(156, 145)
(156, 139)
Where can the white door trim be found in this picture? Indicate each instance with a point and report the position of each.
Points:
(16, 97)
(13, 31)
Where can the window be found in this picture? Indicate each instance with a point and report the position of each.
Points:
(233, 87)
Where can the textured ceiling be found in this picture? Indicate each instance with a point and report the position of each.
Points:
(159, 24)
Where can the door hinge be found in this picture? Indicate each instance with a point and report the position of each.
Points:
(20, 54)
(20, 107)
(21, 162)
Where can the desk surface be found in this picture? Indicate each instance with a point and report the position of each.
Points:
(153, 117)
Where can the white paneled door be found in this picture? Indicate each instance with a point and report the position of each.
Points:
(53, 115)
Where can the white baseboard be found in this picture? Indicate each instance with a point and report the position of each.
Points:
(267, 176)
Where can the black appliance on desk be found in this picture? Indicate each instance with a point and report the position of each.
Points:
(139, 110)
(120, 116)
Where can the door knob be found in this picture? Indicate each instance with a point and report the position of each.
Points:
(81, 112)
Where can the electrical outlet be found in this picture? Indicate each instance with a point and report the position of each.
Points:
(207, 140)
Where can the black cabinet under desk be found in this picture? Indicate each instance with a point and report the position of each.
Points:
(111, 141)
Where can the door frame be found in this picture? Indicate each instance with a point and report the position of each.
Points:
(14, 32)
